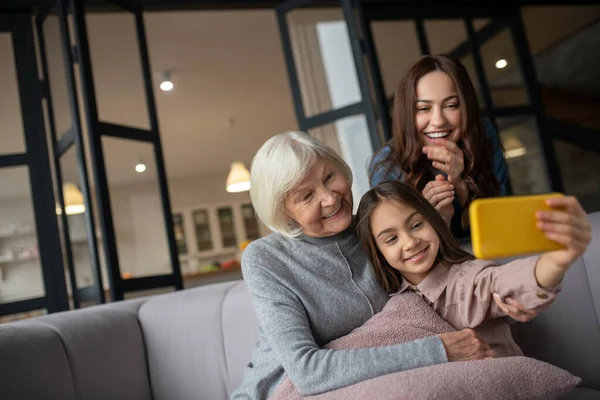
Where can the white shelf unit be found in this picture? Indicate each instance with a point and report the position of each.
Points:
(26, 238)
(221, 237)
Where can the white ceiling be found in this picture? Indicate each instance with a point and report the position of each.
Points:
(231, 88)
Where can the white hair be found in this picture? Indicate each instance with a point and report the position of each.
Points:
(278, 167)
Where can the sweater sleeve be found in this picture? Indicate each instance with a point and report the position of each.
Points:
(480, 279)
(381, 170)
(313, 370)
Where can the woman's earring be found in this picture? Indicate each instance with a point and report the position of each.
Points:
(292, 224)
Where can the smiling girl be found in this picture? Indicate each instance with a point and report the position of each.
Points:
(411, 248)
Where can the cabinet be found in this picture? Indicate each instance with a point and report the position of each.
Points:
(250, 222)
(211, 233)
(228, 235)
(204, 241)
(179, 231)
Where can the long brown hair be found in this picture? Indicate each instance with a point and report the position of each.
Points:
(389, 278)
(406, 143)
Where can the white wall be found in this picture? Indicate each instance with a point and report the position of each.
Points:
(139, 224)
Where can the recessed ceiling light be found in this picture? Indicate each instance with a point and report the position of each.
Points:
(501, 63)
(166, 86)
(166, 83)
(140, 167)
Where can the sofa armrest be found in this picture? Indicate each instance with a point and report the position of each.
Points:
(567, 334)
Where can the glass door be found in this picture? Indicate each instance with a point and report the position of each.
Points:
(31, 269)
(128, 179)
(329, 83)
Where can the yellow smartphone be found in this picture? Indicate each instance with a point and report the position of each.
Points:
(506, 226)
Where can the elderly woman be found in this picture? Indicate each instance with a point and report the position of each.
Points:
(311, 282)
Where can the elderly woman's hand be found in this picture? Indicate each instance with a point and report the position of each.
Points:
(514, 309)
(440, 193)
(466, 345)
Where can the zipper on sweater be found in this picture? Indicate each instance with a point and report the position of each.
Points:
(352, 279)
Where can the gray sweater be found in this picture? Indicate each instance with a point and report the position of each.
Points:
(307, 292)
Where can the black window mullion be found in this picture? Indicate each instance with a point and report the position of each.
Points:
(96, 151)
(422, 36)
(281, 11)
(39, 174)
(66, 48)
(480, 70)
(350, 15)
(57, 149)
(158, 153)
(521, 44)
(377, 80)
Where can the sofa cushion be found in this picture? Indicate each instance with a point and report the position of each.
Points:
(33, 363)
(592, 263)
(184, 343)
(582, 394)
(105, 349)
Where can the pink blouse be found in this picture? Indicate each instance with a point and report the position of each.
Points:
(462, 295)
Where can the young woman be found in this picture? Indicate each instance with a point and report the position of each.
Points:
(441, 145)
(411, 248)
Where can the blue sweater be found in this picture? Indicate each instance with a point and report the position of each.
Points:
(381, 173)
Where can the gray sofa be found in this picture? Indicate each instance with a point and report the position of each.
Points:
(194, 344)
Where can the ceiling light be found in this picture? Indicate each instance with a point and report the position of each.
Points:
(513, 147)
(166, 83)
(238, 179)
(501, 63)
(140, 167)
(73, 200)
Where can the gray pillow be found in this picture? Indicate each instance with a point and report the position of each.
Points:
(407, 317)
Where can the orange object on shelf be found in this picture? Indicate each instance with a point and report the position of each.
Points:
(230, 264)
(244, 244)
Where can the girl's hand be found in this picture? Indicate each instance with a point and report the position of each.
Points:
(514, 309)
(447, 157)
(440, 193)
(568, 225)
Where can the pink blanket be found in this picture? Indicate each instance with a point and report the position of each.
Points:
(407, 317)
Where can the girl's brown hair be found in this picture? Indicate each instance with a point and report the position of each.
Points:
(389, 278)
(406, 143)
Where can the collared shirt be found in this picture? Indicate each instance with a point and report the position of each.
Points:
(462, 295)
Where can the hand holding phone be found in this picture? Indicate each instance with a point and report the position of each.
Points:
(508, 226)
(566, 224)
(551, 223)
